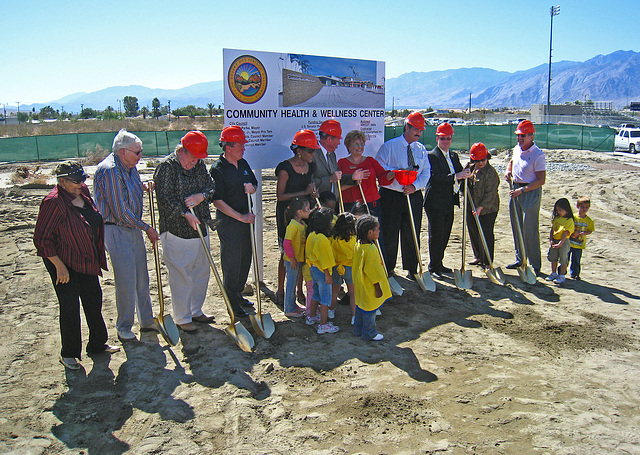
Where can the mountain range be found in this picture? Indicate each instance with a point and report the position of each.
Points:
(613, 78)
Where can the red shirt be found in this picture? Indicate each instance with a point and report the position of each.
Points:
(62, 231)
(369, 185)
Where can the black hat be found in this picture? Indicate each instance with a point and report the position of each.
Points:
(70, 169)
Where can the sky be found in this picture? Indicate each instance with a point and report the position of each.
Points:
(52, 49)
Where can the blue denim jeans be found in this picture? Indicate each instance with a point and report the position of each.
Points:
(365, 324)
(321, 290)
(290, 286)
(576, 256)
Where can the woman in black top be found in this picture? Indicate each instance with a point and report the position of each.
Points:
(295, 179)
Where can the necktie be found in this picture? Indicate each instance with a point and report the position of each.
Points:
(410, 159)
(456, 185)
(333, 167)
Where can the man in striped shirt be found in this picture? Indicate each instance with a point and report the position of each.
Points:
(118, 192)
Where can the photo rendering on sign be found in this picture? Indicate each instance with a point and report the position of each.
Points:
(274, 95)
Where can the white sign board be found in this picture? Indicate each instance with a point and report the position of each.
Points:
(273, 95)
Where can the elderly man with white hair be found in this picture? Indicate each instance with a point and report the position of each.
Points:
(118, 192)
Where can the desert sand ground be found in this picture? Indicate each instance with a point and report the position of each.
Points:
(520, 368)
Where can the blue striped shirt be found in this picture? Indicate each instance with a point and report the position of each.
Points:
(119, 194)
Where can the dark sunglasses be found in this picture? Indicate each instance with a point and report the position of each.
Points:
(76, 181)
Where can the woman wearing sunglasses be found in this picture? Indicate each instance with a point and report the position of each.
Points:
(69, 236)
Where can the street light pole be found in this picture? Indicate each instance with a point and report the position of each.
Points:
(169, 111)
(554, 11)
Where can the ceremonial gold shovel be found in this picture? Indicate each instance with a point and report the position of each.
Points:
(462, 277)
(262, 323)
(424, 280)
(236, 330)
(526, 273)
(164, 322)
(494, 274)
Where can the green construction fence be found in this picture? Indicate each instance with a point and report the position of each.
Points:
(581, 137)
(161, 143)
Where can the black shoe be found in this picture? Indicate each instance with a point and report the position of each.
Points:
(240, 313)
(537, 272)
(411, 276)
(515, 265)
(437, 274)
(445, 270)
(246, 302)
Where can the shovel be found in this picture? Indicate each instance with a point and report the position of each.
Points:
(236, 330)
(262, 323)
(494, 274)
(396, 289)
(525, 271)
(165, 324)
(463, 278)
(340, 193)
(424, 280)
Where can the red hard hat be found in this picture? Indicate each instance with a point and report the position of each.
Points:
(416, 119)
(478, 151)
(444, 129)
(332, 128)
(525, 127)
(196, 143)
(233, 134)
(306, 138)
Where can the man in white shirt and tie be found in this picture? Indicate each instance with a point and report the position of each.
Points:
(403, 152)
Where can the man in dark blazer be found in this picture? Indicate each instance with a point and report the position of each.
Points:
(441, 194)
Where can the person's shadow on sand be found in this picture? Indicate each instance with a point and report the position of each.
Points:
(89, 407)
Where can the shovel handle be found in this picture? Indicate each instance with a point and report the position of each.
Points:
(340, 196)
(364, 199)
(217, 275)
(415, 236)
(254, 253)
(156, 256)
(523, 250)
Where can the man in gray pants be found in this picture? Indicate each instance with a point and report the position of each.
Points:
(527, 171)
(118, 193)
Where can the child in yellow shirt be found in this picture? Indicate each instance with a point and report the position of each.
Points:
(369, 279)
(294, 243)
(321, 262)
(561, 229)
(343, 242)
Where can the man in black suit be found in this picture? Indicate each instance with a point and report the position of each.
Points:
(441, 194)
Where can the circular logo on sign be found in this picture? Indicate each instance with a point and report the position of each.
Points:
(247, 79)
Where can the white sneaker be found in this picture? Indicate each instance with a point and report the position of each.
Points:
(353, 320)
(378, 337)
(331, 314)
(328, 328)
(312, 320)
(126, 335)
(552, 276)
(560, 279)
(378, 313)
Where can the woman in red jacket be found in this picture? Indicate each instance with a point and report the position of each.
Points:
(69, 236)
(372, 170)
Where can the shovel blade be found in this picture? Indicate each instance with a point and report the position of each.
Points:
(463, 279)
(241, 336)
(527, 275)
(425, 282)
(168, 329)
(263, 324)
(496, 276)
(396, 289)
